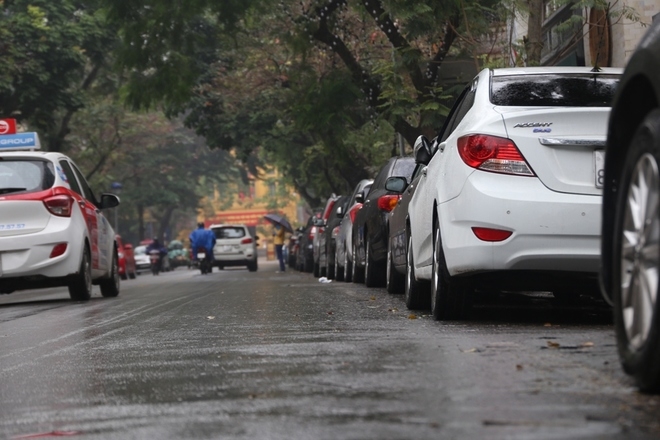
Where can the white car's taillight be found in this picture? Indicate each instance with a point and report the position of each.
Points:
(492, 153)
(60, 205)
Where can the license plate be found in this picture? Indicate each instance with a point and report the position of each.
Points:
(599, 167)
(201, 255)
(226, 248)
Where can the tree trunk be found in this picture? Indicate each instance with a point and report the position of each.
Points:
(140, 212)
(534, 41)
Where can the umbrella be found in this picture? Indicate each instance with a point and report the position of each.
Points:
(279, 220)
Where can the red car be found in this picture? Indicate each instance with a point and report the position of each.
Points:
(126, 259)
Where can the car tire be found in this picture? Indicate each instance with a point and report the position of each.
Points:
(110, 286)
(308, 265)
(80, 287)
(338, 270)
(253, 266)
(393, 281)
(372, 274)
(317, 271)
(416, 292)
(132, 275)
(124, 276)
(449, 296)
(348, 266)
(358, 272)
(635, 259)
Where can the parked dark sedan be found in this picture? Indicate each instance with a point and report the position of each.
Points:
(321, 223)
(630, 232)
(344, 238)
(305, 260)
(370, 230)
(327, 239)
(397, 245)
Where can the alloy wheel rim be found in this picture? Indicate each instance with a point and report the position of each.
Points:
(639, 251)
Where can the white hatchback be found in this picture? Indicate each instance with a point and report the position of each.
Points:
(52, 231)
(234, 246)
(511, 198)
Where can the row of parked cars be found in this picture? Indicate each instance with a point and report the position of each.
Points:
(542, 179)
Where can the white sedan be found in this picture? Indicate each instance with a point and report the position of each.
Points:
(512, 196)
(52, 231)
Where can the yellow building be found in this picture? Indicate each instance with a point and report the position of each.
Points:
(240, 203)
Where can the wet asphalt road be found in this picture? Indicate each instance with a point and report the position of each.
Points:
(239, 355)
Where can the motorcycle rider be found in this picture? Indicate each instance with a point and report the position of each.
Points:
(162, 252)
(202, 238)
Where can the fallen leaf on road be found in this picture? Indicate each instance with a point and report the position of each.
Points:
(210, 317)
(331, 312)
(373, 298)
(586, 344)
(471, 350)
(519, 367)
(547, 324)
(553, 344)
(412, 316)
(392, 310)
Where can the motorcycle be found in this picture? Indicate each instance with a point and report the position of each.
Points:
(154, 259)
(204, 261)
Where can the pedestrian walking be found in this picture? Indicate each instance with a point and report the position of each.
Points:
(278, 241)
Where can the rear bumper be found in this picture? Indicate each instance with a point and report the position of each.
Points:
(551, 231)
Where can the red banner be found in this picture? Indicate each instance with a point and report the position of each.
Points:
(248, 218)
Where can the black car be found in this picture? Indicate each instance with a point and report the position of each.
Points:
(371, 229)
(630, 276)
(318, 232)
(397, 245)
(327, 239)
(305, 258)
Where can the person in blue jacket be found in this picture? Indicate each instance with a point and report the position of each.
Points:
(202, 238)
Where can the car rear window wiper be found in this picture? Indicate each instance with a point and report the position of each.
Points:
(11, 190)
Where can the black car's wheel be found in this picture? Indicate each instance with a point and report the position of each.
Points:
(372, 273)
(338, 270)
(308, 265)
(449, 297)
(80, 286)
(416, 292)
(394, 280)
(358, 272)
(348, 266)
(132, 275)
(317, 270)
(635, 271)
(110, 285)
(253, 266)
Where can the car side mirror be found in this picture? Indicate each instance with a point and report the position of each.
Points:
(108, 201)
(340, 212)
(396, 184)
(318, 221)
(422, 150)
(359, 197)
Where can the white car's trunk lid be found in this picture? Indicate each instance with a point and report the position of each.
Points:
(21, 217)
(563, 145)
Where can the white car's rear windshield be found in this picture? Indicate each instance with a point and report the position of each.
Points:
(229, 232)
(595, 90)
(25, 175)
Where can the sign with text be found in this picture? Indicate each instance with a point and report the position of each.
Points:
(7, 126)
(20, 141)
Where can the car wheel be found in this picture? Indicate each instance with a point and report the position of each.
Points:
(338, 270)
(80, 287)
(317, 270)
(348, 267)
(635, 277)
(358, 272)
(110, 286)
(132, 275)
(416, 292)
(449, 297)
(372, 276)
(253, 266)
(394, 280)
(308, 266)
